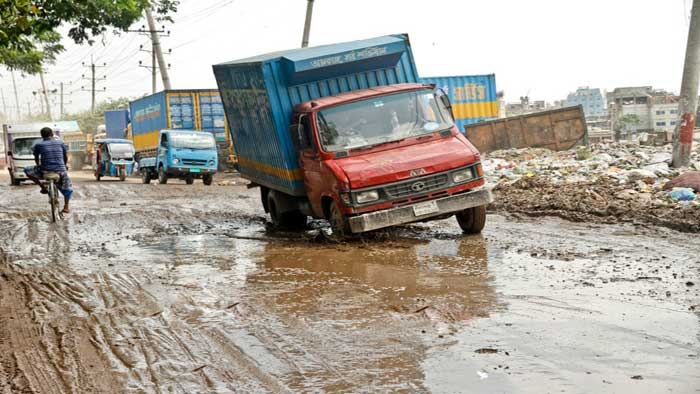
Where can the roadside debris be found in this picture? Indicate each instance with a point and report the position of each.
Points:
(613, 182)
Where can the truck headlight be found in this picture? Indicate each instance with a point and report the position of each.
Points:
(461, 176)
(176, 160)
(211, 163)
(364, 197)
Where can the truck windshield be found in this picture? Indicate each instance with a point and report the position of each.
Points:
(192, 140)
(23, 146)
(382, 119)
(121, 151)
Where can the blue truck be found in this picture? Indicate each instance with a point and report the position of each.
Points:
(181, 154)
(116, 122)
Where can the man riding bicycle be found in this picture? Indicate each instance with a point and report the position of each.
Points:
(51, 155)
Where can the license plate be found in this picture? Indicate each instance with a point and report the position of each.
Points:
(195, 170)
(425, 208)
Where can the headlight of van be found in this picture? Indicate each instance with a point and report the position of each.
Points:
(211, 163)
(365, 197)
(461, 176)
(176, 161)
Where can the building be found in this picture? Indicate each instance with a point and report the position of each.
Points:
(640, 109)
(591, 99)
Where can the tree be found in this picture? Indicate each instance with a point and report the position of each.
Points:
(28, 27)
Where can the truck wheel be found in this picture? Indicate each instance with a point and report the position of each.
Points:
(122, 174)
(339, 223)
(162, 176)
(472, 220)
(145, 177)
(14, 181)
(207, 179)
(189, 180)
(292, 220)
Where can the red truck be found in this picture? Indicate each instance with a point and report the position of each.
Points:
(343, 132)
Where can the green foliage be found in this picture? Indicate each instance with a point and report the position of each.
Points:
(88, 121)
(28, 27)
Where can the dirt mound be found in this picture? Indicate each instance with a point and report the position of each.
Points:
(602, 201)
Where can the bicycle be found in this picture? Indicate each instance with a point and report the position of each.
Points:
(52, 178)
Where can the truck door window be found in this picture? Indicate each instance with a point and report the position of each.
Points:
(302, 133)
(163, 141)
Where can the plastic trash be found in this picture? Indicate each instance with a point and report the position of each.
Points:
(682, 194)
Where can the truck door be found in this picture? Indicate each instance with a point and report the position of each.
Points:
(310, 163)
(163, 151)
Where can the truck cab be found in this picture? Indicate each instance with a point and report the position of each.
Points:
(182, 154)
(19, 155)
(384, 156)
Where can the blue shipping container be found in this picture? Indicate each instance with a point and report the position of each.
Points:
(116, 122)
(473, 97)
(196, 109)
(259, 94)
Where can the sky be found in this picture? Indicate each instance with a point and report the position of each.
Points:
(541, 48)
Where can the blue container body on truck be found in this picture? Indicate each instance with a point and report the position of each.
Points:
(259, 94)
(116, 122)
(197, 109)
(473, 97)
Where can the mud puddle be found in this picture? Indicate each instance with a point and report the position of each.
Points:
(191, 292)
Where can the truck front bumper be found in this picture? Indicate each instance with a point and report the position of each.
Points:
(407, 214)
(19, 174)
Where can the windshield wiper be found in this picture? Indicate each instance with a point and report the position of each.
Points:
(360, 148)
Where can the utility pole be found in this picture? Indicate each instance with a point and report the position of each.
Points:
(307, 23)
(93, 80)
(14, 86)
(46, 93)
(158, 52)
(60, 111)
(4, 105)
(683, 135)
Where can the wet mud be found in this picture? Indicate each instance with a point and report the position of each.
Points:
(185, 289)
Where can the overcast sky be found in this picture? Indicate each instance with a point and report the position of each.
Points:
(545, 48)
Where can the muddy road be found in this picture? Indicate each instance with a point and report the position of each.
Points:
(183, 289)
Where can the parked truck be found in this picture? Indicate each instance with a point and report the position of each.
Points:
(345, 132)
(19, 139)
(177, 110)
(181, 154)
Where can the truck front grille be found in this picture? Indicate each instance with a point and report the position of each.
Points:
(417, 186)
(193, 162)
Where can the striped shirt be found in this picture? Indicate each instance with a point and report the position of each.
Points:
(50, 152)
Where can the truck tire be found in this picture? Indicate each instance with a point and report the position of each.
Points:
(339, 223)
(472, 220)
(14, 181)
(189, 180)
(207, 179)
(145, 176)
(292, 220)
(162, 176)
(122, 174)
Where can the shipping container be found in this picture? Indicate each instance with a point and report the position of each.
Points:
(116, 122)
(259, 94)
(558, 129)
(473, 97)
(199, 109)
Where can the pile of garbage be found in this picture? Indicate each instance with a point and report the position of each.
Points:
(609, 183)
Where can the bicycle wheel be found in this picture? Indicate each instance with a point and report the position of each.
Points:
(53, 200)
